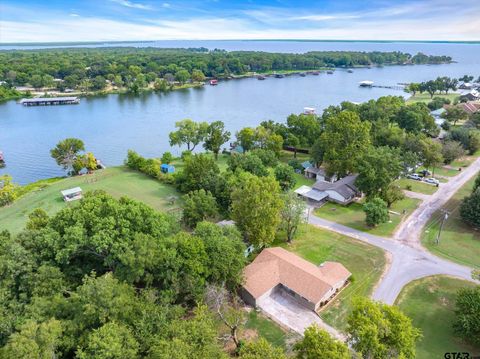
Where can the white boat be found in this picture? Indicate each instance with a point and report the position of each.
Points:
(366, 83)
(309, 110)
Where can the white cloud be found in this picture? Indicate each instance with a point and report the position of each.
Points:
(132, 4)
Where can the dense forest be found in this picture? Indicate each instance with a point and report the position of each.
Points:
(90, 68)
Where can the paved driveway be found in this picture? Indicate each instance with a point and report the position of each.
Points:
(282, 308)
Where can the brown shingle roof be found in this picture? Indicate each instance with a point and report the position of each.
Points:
(276, 265)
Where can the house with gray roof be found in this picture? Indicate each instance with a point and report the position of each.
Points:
(342, 191)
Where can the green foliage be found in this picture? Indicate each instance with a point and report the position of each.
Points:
(285, 175)
(198, 206)
(378, 330)
(469, 138)
(467, 311)
(437, 103)
(317, 344)
(416, 118)
(38, 219)
(293, 214)
(182, 76)
(188, 133)
(248, 162)
(470, 209)
(9, 93)
(376, 212)
(246, 138)
(393, 194)
(67, 152)
(110, 341)
(215, 137)
(431, 152)
(167, 157)
(305, 128)
(454, 114)
(200, 172)
(256, 206)
(225, 269)
(34, 341)
(268, 157)
(377, 169)
(344, 140)
(260, 349)
(8, 190)
(451, 150)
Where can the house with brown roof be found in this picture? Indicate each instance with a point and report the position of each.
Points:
(277, 269)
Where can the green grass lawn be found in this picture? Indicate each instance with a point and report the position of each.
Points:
(267, 329)
(416, 186)
(425, 97)
(365, 262)
(441, 171)
(459, 242)
(286, 156)
(353, 216)
(430, 303)
(117, 181)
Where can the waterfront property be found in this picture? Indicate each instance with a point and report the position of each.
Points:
(72, 194)
(276, 269)
(46, 101)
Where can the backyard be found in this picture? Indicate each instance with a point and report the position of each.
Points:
(353, 216)
(425, 97)
(117, 181)
(365, 262)
(430, 303)
(458, 242)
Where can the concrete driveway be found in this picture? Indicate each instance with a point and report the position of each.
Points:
(282, 308)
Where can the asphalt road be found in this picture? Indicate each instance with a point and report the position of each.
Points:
(408, 259)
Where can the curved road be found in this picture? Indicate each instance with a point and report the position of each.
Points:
(408, 259)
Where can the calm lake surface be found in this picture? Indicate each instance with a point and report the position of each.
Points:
(112, 124)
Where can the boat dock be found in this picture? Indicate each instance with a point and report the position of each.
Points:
(48, 101)
(370, 84)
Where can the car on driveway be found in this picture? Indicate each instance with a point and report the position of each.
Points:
(415, 177)
(432, 181)
(425, 173)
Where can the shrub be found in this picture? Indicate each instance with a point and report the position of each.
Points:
(167, 157)
(376, 212)
(268, 157)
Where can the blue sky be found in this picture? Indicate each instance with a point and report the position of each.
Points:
(116, 20)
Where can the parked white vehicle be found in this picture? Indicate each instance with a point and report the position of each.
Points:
(415, 177)
(432, 181)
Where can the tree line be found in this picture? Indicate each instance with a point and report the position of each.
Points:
(440, 84)
(90, 69)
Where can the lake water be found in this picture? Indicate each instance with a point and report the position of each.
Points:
(112, 124)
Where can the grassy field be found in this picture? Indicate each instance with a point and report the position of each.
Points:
(365, 262)
(425, 97)
(416, 186)
(267, 329)
(458, 242)
(353, 216)
(442, 171)
(117, 181)
(430, 303)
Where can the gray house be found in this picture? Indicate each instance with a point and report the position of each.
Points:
(342, 191)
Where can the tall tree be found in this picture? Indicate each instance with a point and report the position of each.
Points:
(215, 137)
(345, 139)
(66, 153)
(188, 133)
(256, 206)
(377, 169)
(376, 212)
(431, 153)
(246, 138)
(198, 206)
(454, 114)
(285, 175)
(317, 344)
(378, 331)
(470, 209)
(8, 190)
(293, 214)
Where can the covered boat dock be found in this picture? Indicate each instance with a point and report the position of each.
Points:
(46, 101)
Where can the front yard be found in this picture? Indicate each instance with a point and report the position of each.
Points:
(353, 216)
(365, 262)
(430, 303)
(458, 242)
(416, 186)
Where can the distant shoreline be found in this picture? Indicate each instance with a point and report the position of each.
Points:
(88, 43)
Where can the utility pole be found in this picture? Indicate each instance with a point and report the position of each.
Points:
(445, 217)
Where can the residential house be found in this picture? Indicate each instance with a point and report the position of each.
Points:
(276, 269)
(341, 191)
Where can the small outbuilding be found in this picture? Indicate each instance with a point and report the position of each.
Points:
(72, 194)
(166, 168)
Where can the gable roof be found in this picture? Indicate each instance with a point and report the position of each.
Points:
(345, 186)
(276, 265)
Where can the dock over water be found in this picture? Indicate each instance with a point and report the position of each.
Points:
(47, 101)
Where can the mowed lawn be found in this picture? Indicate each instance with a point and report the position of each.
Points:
(365, 262)
(458, 242)
(430, 302)
(353, 216)
(425, 97)
(416, 186)
(266, 328)
(117, 181)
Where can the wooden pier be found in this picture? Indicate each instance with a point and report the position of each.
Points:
(48, 101)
